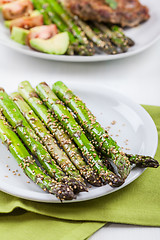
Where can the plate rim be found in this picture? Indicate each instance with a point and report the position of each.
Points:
(48, 198)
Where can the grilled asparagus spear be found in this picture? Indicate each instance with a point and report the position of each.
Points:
(76, 132)
(143, 161)
(119, 39)
(95, 38)
(105, 38)
(50, 143)
(77, 32)
(56, 129)
(28, 164)
(46, 19)
(119, 33)
(31, 140)
(99, 136)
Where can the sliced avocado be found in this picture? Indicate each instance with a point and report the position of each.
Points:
(55, 45)
(19, 35)
(7, 23)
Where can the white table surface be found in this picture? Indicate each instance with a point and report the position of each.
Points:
(137, 77)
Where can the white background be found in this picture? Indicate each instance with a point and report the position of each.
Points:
(137, 77)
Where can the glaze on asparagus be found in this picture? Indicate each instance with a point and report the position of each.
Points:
(143, 161)
(76, 132)
(99, 136)
(31, 140)
(31, 97)
(28, 164)
(50, 143)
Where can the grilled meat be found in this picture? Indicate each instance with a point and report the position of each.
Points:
(128, 13)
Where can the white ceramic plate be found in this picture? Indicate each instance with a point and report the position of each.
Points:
(144, 36)
(134, 129)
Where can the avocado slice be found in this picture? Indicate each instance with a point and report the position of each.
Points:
(7, 23)
(55, 45)
(19, 35)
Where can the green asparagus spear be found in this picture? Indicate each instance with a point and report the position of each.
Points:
(143, 161)
(77, 32)
(105, 39)
(138, 160)
(50, 143)
(43, 6)
(28, 164)
(118, 39)
(76, 132)
(105, 143)
(46, 19)
(119, 33)
(95, 38)
(31, 140)
(56, 129)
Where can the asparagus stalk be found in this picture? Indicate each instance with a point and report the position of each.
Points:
(43, 6)
(105, 143)
(56, 129)
(119, 32)
(119, 39)
(77, 32)
(50, 143)
(31, 140)
(28, 164)
(46, 19)
(138, 160)
(76, 132)
(143, 161)
(104, 45)
(105, 38)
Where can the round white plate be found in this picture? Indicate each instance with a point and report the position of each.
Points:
(134, 130)
(144, 36)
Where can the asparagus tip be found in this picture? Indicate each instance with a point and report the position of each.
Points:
(115, 181)
(149, 162)
(63, 192)
(76, 185)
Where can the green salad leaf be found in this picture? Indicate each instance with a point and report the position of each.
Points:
(112, 3)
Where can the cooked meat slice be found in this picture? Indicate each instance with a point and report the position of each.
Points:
(128, 12)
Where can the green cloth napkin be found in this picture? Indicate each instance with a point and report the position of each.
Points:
(138, 203)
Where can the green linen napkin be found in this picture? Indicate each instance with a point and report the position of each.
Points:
(138, 203)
